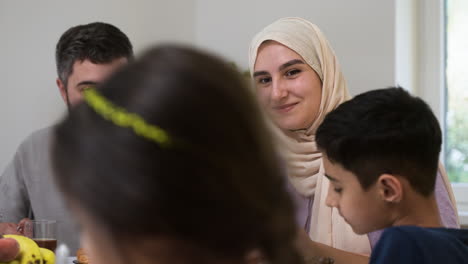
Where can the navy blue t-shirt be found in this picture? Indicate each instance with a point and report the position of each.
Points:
(412, 244)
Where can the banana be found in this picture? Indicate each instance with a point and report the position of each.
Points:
(30, 253)
(48, 257)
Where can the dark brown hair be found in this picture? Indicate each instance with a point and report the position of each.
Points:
(384, 131)
(98, 42)
(219, 189)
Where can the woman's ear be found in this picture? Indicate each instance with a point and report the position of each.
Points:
(390, 188)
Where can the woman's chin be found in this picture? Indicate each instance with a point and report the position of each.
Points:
(288, 125)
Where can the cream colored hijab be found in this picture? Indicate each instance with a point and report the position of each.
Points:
(304, 161)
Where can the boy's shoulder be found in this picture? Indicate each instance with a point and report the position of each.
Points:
(412, 244)
(419, 232)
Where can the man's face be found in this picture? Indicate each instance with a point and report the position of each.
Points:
(362, 209)
(85, 74)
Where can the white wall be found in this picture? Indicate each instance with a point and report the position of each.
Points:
(29, 31)
(361, 32)
(408, 24)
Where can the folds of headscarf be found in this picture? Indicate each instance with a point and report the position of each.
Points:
(304, 161)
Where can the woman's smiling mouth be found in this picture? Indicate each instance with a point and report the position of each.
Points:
(285, 107)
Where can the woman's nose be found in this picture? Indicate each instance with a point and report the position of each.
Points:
(278, 91)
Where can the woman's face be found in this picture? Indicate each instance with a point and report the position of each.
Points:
(287, 87)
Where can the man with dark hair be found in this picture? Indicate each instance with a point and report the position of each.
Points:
(381, 153)
(87, 53)
(85, 56)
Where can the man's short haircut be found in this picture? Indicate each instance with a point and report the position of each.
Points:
(384, 131)
(98, 42)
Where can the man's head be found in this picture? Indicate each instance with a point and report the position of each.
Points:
(86, 55)
(376, 147)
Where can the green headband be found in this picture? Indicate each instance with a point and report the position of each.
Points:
(121, 117)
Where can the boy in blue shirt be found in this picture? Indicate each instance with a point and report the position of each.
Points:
(381, 152)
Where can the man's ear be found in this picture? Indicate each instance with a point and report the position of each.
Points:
(390, 188)
(62, 89)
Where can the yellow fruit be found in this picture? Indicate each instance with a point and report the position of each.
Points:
(11, 262)
(48, 257)
(29, 251)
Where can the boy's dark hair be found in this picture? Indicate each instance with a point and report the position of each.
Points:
(384, 131)
(220, 190)
(98, 42)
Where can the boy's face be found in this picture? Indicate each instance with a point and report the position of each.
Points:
(364, 211)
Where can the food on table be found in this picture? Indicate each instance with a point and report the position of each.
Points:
(30, 252)
(81, 256)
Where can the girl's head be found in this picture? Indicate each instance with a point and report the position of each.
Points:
(214, 193)
(297, 77)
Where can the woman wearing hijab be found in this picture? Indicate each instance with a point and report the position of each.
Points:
(298, 81)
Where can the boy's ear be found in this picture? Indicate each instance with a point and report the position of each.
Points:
(390, 188)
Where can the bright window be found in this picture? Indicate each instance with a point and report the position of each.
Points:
(456, 153)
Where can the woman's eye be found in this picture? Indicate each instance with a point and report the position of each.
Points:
(292, 72)
(264, 80)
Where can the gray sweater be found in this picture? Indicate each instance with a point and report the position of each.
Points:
(27, 188)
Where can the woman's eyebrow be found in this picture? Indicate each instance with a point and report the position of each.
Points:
(280, 68)
(290, 63)
(258, 73)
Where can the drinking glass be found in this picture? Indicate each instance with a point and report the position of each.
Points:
(43, 232)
